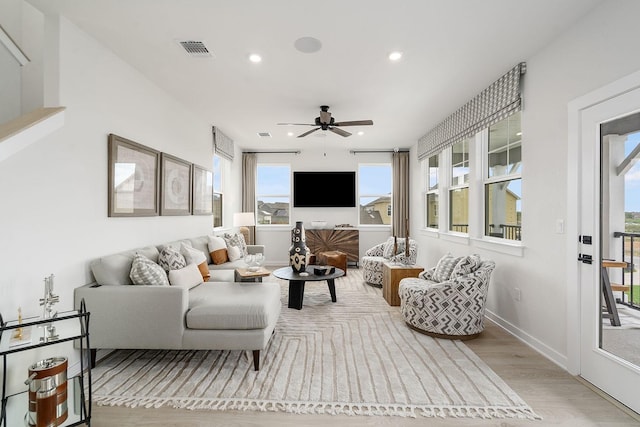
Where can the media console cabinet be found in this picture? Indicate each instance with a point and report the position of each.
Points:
(346, 240)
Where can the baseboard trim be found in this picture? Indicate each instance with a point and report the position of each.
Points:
(537, 345)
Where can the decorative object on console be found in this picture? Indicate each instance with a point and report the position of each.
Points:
(133, 178)
(299, 253)
(319, 224)
(244, 220)
(47, 302)
(175, 186)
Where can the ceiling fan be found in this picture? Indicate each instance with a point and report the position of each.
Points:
(326, 122)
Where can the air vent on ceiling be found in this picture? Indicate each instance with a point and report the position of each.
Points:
(195, 48)
(264, 134)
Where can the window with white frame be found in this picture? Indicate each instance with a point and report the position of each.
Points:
(374, 190)
(503, 180)
(459, 187)
(217, 191)
(273, 194)
(431, 193)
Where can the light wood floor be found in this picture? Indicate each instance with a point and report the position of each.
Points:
(559, 398)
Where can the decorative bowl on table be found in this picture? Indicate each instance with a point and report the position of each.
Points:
(323, 270)
(318, 224)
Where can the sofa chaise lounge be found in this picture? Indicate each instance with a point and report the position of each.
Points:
(214, 315)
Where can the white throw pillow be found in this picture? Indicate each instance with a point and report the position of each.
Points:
(191, 255)
(146, 272)
(186, 277)
(234, 253)
(218, 250)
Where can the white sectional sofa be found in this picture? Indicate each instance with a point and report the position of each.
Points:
(214, 315)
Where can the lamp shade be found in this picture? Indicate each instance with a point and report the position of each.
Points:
(244, 219)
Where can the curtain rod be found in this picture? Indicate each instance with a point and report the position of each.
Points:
(395, 150)
(272, 152)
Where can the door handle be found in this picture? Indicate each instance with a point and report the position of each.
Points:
(585, 259)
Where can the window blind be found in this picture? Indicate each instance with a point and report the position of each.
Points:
(493, 104)
(222, 144)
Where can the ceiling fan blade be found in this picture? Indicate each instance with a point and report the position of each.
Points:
(308, 132)
(355, 123)
(296, 124)
(339, 131)
(325, 117)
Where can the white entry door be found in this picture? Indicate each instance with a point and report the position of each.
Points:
(603, 161)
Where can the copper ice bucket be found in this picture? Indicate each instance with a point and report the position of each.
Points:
(48, 392)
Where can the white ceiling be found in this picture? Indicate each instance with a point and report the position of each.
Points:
(452, 50)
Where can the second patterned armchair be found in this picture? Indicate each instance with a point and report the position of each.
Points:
(376, 256)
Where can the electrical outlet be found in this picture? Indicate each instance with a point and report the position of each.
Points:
(517, 295)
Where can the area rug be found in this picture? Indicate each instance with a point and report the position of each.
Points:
(354, 357)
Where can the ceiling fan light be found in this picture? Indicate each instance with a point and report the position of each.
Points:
(395, 56)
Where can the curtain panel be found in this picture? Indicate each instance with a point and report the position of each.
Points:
(222, 144)
(249, 167)
(400, 195)
(493, 104)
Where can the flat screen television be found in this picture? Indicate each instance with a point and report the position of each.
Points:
(324, 189)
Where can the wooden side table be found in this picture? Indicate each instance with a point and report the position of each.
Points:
(391, 276)
(244, 275)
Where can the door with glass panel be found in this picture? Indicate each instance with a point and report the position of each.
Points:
(610, 243)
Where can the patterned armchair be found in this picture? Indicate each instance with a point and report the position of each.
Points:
(374, 258)
(448, 301)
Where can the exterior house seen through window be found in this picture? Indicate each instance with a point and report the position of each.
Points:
(273, 194)
(431, 195)
(374, 189)
(459, 187)
(503, 181)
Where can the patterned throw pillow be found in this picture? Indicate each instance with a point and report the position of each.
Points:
(146, 272)
(387, 251)
(444, 268)
(218, 250)
(236, 240)
(197, 257)
(466, 265)
(171, 259)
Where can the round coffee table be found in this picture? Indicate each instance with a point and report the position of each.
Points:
(296, 283)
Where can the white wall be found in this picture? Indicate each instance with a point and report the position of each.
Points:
(600, 48)
(320, 158)
(53, 194)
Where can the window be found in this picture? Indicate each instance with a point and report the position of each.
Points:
(217, 191)
(374, 189)
(459, 187)
(503, 182)
(273, 194)
(431, 195)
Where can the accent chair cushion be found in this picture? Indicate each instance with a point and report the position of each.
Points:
(466, 265)
(445, 267)
(146, 272)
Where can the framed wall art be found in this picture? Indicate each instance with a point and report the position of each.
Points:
(133, 178)
(202, 191)
(175, 186)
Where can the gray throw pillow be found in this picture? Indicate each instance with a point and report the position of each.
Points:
(146, 272)
(171, 259)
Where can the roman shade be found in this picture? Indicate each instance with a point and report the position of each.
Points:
(493, 104)
(222, 144)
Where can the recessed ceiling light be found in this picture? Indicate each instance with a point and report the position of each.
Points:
(307, 44)
(360, 133)
(255, 58)
(289, 133)
(395, 56)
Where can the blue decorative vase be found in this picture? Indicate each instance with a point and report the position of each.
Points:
(298, 252)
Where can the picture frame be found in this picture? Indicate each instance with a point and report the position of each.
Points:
(217, 209)
(202, 191)
(175, 186)
(133, 178)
